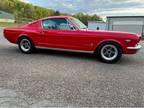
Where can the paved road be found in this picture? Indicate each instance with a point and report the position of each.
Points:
(54, 78)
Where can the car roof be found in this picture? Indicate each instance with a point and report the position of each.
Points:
(48, 18)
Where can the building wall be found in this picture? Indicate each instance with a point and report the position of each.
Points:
(135, 25)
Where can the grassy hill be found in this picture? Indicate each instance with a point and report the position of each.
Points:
(27, 12)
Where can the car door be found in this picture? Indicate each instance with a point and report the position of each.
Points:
(60, 33)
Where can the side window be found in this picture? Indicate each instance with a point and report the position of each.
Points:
(57, 24)
(49, 24)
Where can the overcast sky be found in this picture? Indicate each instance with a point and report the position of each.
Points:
(100, 7)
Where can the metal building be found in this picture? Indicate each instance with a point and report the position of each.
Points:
(96, 25)
(133, 24)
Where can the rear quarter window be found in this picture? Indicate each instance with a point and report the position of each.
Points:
(35, 25)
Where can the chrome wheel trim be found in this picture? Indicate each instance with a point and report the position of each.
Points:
(25, 45)
(109, 52)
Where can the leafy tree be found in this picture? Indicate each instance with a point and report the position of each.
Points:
(57, 13)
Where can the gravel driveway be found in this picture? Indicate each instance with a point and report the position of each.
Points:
(55, 78)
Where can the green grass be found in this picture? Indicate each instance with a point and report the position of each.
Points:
(10, 24)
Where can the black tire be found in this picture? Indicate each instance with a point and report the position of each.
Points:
(114, 48)
(28, 48)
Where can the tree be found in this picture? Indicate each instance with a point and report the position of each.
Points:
(57, 13)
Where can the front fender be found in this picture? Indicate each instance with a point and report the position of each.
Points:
(109, 40)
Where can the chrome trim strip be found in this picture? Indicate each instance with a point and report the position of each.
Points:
(68, 50)
(135, 48)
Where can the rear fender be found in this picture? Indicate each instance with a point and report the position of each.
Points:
(24, 35)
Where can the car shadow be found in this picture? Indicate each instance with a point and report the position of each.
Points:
(125, 60)
(78, 56)
(67, 54)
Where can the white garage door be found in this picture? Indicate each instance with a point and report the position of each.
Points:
(128, 26)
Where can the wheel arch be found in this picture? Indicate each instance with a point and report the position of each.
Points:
(24, 36)
(109, 41)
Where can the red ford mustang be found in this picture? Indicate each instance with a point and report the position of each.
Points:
(68, 33)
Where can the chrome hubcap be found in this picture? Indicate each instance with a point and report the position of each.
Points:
(109, 52)
(25, 45)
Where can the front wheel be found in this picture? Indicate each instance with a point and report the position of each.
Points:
(110, 53)
(25, 45)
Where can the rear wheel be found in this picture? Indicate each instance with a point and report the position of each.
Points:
(25, 45)
(110, 52)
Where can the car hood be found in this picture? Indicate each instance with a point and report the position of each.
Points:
(113, 33)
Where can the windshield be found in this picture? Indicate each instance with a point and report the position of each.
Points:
(79, 23)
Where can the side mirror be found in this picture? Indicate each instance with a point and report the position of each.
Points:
(72, 27)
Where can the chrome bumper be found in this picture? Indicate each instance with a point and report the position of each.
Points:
(137, 47)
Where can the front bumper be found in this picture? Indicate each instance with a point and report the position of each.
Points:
(137, 47)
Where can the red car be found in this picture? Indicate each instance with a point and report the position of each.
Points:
(68, 33)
